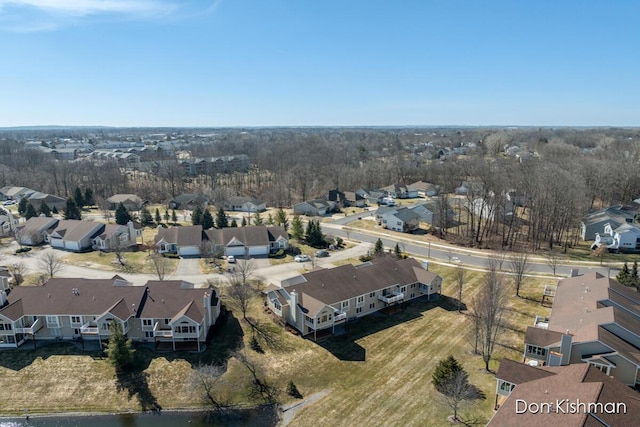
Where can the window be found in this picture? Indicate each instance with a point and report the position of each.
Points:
(147, 323)
(372, 295)
(345, 305)
(148, 334)
(413, 285)
(412, 296)
(276, 304)
(55, 332)
(506, 386)
(535, 350)
(5, 327)
(372, 305)
(403, 289)
(75, 320)
(52, 322)
(76, 331)
(324, 318)
(166, 321)
(360, 301)
(359, 310)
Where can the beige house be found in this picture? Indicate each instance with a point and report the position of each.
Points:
(323, 299)
(34, 231)
(116, 236)
(171, 314)
(594, 320)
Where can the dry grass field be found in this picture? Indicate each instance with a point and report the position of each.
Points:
(379, 372)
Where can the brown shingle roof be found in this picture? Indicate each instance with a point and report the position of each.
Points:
(168, 299)
(541, 337)
(519, 373)
(181, 236)
(626, 349)
(74, 230)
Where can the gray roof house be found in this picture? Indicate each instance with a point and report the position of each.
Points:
(398, 219)
(74, 235)
(34, 230)
(325, 299)
(249, 241)
(594, 221)
(116, 236)
(244, 204)
(316, 207)
(130, 201)
(183, 241)
(37, 198)
(188, 201)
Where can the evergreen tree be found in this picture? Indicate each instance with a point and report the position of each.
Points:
(624, 275)
(122, 215)
(174, 217)
(196, 216)
(89, 199)
(281, 219)
(158, 217)
(269, 219)
(30, 212)
(297, 230)
(44, 209)
(207, 220)
(167, 217)
(257, 219)
(146, 220)
(313, 235)
(71, 211)
(446, 369)
(78, 198)
(378, 249)
(22, 206)
(54, 210)
(234, 223)
(634, 279)
(119, 349)
(397, 251)
(244, 222)
(221, 219)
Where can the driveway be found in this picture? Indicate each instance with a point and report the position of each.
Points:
(187, 267)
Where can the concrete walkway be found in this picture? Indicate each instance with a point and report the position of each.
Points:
(289, 411)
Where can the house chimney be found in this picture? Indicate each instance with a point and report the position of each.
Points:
(425, 265)
(574, 272)
(294, 307)
(3, 298)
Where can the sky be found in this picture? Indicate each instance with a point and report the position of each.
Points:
(205, 63)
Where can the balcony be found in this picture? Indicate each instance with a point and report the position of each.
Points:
(549, 291)
(30, 329)
(339, 316)
(88, 329)
(541, 322)
(391, 298)
(310, 323)
(162, 333)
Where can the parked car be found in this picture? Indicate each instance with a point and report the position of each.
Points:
(322, 253)
(302, 258)
(8, 202)
(231, 259)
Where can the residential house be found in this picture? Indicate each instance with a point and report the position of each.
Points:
(487, 209)
(398, 219)
(351, 198)
(8, 222)
(244, 204)
(594, 320)
(188, 201)
(316, 207)
(130, 201)
(34, 231)
(173, 313)
(183, 241)
(326, 298)
(568, 396)
(423, 189)
(594, 222)
(400, 191)
(5, 276)
(15, 193)
(425, 212)
(38, 198)
(74, 235)
(249, 241)
(338, 198)
(372, 196)
(624, 238)
(117, 237)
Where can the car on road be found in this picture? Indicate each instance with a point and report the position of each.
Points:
(231, 259)
(302, 258)
(322, 253)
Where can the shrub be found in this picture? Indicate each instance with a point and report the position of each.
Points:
(255, 345)
(168, 255)
(278, 254)
(293, 391)
(22, 250)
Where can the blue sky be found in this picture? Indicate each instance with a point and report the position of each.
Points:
(319, 62)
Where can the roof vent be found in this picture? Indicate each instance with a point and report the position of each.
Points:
(94, 298)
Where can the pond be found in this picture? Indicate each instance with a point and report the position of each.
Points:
(236, 418)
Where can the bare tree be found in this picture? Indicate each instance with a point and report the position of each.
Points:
(17, 271)
(488, 309)
(240, 290)
(160, 265)
(519, 267)
(553, 260)
(208, 381)
(601, 252)
(261, 387)
(456, 392)
(460, 282)
(50, 264)
(210, 251)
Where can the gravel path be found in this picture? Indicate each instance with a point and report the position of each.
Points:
(289, 411)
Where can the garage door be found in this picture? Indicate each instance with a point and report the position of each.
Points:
(258, 250)
(189, 251)
(236, 251)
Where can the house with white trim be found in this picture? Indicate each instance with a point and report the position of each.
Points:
(74, 235)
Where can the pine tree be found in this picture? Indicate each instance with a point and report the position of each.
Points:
(22, 206)
(281, 219)
(244, 222)
(196, 216)
(122, 215)
(54, 210)
(167, 217)
(119, 349)
(71, 211)
(221, 219)
(174, 217)
(30, 212)
(257, 219)
(313, 235)
(44, 209)
(624, 276)
(634, 280)
(378, 249)
(234, 223)
(397, 251)
(146, 220)
(158, 217)
(89, 200)
(270, 219)
(78, 198)
(446, 369)
(297, 230)
(207, 220)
